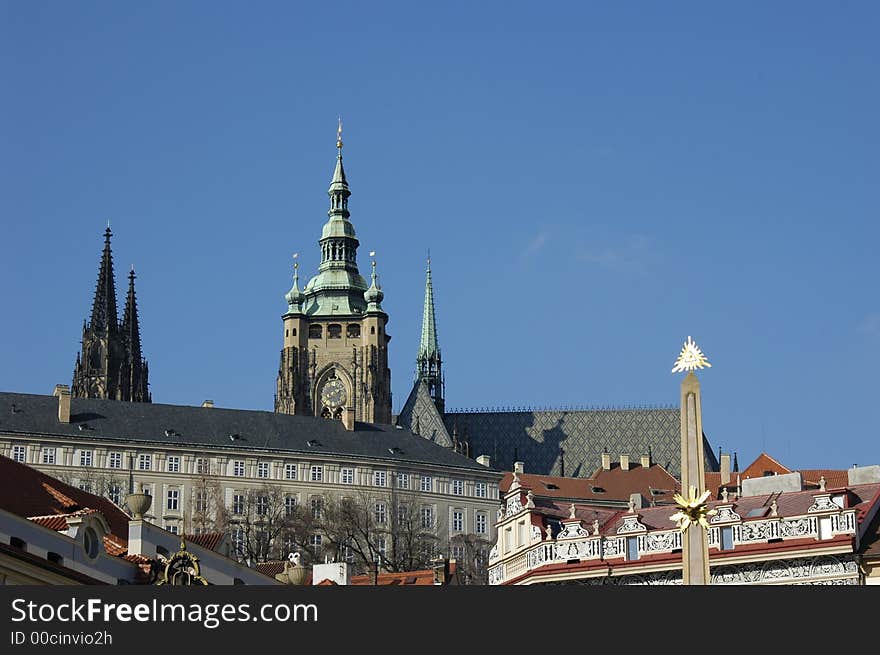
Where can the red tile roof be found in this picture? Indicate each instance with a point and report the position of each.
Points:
(423, 577)
(654, 483)
(208, 540)
(27, 492)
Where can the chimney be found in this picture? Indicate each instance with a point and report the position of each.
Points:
(645, 461)
(208, 403)
(518, 467)
(606, 461)
(62, 391)
(624, 462)
(440, 566)
(725, 469)
(484, 460)
(348, 418)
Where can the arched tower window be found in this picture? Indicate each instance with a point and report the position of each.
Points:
(353, 330)
(314, 332)
(334, 331)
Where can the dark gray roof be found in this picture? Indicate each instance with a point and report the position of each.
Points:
(420, 404)
(536, 437)
(202, 426)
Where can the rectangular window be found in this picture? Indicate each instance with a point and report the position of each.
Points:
(238, 504)
(381, 546)
(18, 454)
(145, 462)
(238, 468)
(238, 539)
(172, 464)
(85, 486)
(727, 538)
(347, 476)
(290, 471)
(316, 473)
(48, 456)
(171, 527)
(289, 506)
(263, 470)
(173, 499)
(200, 501)
(315, 541)
(428, 517)
(480, 523)
(262, 505)
(457, 520)
(147, 489)
(632, 548)
(403, 480)
(426, 483)
(203, 466)
(378, 478)
(379, 511)
(457, 487)
(480, 489)
(85, 458)
(317, 505)
(458, 553)
(114, 493)
(402, 514)
(114, 461)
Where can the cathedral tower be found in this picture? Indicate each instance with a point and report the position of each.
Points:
(334, 362)
(110, 364)
(429, 366)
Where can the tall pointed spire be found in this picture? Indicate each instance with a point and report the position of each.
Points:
(428, 346)
(104, 317)
(131, 329)
(110, 364)
(428, 361)
(339, 191)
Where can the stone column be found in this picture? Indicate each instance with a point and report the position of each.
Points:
(695, 543)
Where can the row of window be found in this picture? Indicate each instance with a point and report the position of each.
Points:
(262, 506)
(334, 331)
(144, 462)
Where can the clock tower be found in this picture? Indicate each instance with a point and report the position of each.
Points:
(334, 361)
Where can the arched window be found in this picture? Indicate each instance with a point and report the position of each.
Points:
(294, 331)
(314, 332)
(334, 331)
(353, 330)
(372, 329)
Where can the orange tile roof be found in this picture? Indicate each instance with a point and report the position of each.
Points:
(208, 540)
(654, 483)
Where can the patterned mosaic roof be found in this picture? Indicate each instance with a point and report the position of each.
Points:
(536, 438)
(430, 423)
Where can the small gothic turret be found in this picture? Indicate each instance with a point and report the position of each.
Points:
(429, 365)
(110, 364)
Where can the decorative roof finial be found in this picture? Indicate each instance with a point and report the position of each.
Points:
(690, 358)
(339, 136)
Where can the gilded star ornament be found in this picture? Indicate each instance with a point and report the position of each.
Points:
(690, 358)
(692, 509)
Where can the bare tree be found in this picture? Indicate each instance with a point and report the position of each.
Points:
(207, 511)
(471, 555)
(110, 485)
(258, 521)
(371, 533)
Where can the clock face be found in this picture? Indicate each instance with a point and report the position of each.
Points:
(333, 394)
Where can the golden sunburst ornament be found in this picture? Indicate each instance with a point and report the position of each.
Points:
(690, 358)
(692, 509)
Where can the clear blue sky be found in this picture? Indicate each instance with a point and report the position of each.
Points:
(595, 181)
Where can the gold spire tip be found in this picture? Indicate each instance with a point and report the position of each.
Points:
(339, 134)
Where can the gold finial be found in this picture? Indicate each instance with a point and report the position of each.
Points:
(295, 262)
(692, 509)
(690, 358)
(339, 134)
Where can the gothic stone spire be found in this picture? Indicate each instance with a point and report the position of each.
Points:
(104, 306)
(428, 361)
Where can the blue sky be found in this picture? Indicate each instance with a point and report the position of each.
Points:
(595, 181)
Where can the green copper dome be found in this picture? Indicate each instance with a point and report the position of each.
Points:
(338, 288)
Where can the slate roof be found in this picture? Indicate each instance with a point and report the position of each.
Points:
(180, 425)
(419, 403)
(535, 438)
